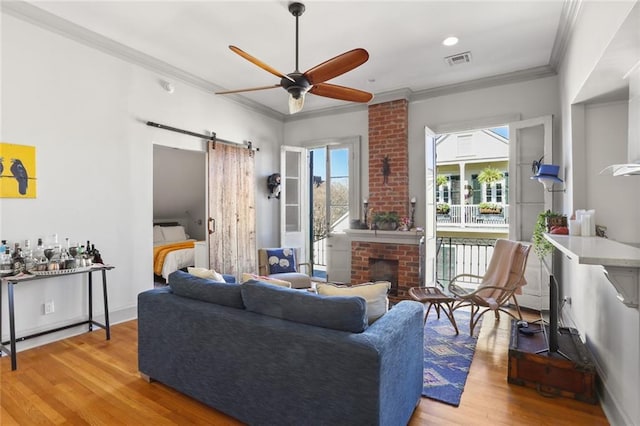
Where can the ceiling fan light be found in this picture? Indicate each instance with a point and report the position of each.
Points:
(296, 104)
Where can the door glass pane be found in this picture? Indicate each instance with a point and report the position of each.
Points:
(292, 218)
(292, 194)
(293, 160)
(339, 188)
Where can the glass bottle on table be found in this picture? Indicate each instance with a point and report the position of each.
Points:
(27, 254)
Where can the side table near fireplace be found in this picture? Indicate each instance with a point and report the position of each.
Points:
(430, 296)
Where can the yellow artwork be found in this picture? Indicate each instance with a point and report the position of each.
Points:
(17, 171)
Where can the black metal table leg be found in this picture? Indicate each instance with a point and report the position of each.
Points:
(90, 300)
(12, 326)
(106, 305)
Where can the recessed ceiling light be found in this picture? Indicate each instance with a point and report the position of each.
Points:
(450, 41)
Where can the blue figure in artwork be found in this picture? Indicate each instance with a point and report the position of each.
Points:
(1, 166)
(20, 173)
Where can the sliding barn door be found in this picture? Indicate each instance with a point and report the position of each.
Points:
(232, 219)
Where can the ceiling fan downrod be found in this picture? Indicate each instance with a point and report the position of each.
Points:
(296, 9)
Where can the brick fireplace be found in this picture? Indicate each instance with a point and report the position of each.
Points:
(387, 255)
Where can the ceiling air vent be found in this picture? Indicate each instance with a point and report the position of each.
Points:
(458, 58)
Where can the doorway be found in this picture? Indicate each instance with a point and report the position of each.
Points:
(322, 195)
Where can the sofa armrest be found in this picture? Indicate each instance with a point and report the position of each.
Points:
(399, 337)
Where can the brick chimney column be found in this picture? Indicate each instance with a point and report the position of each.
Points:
(388, 137)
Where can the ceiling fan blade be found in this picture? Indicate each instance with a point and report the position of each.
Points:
(340, 92)
(259, 63)
(252, 89)
(336, 66)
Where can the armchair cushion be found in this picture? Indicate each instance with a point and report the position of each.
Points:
(281, 260)
(269, 280)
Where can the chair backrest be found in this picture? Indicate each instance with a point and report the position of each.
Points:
(263, 259)
(505, 273)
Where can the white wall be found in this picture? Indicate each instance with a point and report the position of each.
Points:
(84, 111)
(595, 136)
(527, 99)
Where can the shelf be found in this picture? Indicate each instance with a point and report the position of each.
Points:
(620, 262)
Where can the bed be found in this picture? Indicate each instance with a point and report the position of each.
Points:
(172, 249)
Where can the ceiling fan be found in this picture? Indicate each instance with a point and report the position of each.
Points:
(297, 84)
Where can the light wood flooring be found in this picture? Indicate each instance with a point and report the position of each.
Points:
(87, 380)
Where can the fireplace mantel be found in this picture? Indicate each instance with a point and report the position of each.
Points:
(384, 237)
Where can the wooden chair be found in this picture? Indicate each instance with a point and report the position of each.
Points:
(297, 278)
(503, 279)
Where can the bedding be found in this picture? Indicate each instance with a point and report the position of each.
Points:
(172, 249)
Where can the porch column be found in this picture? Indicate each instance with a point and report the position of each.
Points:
(463, 201)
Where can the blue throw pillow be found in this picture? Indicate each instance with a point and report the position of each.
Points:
(344, 313)
(187, 285)
(281, 260)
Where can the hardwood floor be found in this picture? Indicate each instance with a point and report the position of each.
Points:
(87, 380)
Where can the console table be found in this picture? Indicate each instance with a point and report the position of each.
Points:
(25, 278)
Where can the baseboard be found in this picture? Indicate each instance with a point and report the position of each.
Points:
(115, 317)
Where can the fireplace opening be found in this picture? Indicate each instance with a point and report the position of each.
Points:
(385, 270)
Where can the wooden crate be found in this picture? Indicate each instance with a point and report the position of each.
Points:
(552, 374)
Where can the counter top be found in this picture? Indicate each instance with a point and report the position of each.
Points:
(596, 250)
(620, 262)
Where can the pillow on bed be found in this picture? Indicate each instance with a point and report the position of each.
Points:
(158, 236)
(206, 273)
(173, 233)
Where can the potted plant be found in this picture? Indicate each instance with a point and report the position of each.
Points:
(489, 208)
(386, 221)
(546, 219)
(441, 180)
(442, 208)
(490, 175)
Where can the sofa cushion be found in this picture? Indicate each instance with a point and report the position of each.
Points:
(206, 273)
(374, 293)
(221, 293)
(269, 280)
(334, 312)
(281, 260)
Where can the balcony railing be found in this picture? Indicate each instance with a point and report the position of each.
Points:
(470, 215)
(462, 256)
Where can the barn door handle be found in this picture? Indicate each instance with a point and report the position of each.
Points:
(212, 225)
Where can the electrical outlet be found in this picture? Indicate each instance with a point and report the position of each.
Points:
(49, 308)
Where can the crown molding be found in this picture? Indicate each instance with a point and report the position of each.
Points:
(41, 18)
(483, 83)
(568, 17)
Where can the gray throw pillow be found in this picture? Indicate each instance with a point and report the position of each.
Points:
(221, 293)
(334, 312)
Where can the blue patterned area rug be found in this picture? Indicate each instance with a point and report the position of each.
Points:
(447, 356)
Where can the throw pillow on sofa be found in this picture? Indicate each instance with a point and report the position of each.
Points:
(334, 312)
(374, 293)
(221, 293)
(248, 277)
(206, 273)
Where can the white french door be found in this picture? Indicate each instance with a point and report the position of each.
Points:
(430, 246)
(319, 196)
(294, 201)
(529, 140)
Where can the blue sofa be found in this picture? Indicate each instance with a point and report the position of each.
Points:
(270, 355)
